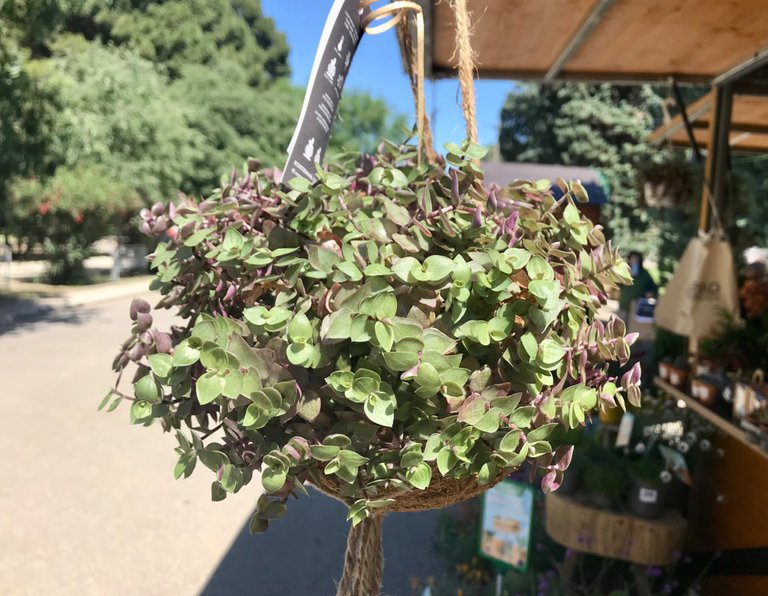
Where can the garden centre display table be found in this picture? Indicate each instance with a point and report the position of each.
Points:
(615, 535)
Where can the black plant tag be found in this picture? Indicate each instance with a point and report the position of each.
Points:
(341, 35)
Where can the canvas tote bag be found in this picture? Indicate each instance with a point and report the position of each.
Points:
(702, 288)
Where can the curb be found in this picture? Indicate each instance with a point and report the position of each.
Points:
(77, 295)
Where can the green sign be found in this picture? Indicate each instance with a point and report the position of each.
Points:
(505, 524)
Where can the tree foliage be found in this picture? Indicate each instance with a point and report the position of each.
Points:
(176, 33)
(158, 96)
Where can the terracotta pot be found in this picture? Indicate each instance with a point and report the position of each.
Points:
(664, 370)
(704, 391)
(678, 376)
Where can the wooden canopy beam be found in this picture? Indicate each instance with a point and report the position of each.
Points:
(578, 39)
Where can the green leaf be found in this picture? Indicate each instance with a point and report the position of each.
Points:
(380, 408)
(489, 422)
(487, 473)
(198, 236)
(385, 306)
(273, 479)
(472, 410)
(161, 364)
(209, 386)
(338, 325)
(214, 358)
(302, 354)
(403, 267)
(212, 459)
(510, 441)
(351, 459)
(428, 377)
(528, 347)
(438, 268)
(341, 380)
(147, 389)
(362, 388)
(419, 476)
(476, 151)
(233, 240)
(257, 524)
(105, 401)
(571, 215)
(384, 335)
(255, 417)
(396, 213)
(546, 291)
(433, 446)
(550, 352)
(540, 433)
(324, 452)
(300, 329)
(437, 341)
(522, 416)
(538, 268)
(140, 411)
(350, 270)
(300, 184)
(446, 459)
(401, 361)
(517, 258)
(321, 258)
(376, 270)
(233, 384)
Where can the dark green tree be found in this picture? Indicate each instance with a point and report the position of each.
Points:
(177, 33)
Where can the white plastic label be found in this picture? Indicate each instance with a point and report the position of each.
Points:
(649, 495)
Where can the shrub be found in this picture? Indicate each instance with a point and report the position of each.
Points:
(67, 213)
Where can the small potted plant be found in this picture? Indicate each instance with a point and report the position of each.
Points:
(605, 483)
(665, 365)
(678, 372)
(706, 388)
(647, 494)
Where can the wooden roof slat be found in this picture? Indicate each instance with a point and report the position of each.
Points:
(749, 124)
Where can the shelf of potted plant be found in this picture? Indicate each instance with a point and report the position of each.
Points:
(709, 415)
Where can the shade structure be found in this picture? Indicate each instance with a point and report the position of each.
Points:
(748, 126)
(701, 41)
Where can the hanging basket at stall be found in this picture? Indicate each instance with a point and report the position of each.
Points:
(394, 333)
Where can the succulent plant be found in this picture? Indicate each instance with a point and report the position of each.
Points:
(391, 322)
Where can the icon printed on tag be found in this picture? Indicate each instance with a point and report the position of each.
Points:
(330, 71)
(309, 149)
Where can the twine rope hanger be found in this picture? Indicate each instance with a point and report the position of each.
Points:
(364, 557)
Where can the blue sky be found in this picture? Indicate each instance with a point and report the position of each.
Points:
(377, 69)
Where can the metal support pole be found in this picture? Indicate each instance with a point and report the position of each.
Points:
(686, 122)
(716, 165)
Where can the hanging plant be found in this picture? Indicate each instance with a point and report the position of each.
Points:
(665, 184)
(389, 332)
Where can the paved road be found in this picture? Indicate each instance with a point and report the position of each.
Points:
(89, 506)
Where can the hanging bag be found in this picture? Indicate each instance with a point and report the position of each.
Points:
(703, 288)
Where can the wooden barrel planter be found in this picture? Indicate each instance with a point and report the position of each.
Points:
(614, 535)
